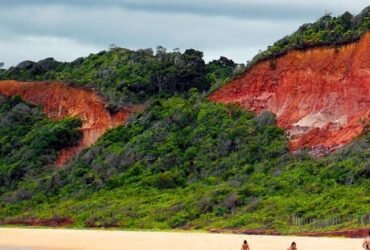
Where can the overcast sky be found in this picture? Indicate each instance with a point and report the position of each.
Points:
(67, 29)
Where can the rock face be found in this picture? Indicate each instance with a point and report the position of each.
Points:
(59, 100)
(321, 96)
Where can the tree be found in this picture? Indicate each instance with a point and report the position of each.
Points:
(113, 47)
(160, 50)
(346, 20)
(224, 62)
(1, 64)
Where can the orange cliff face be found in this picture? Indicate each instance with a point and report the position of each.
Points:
(59, 100)
(321, 96)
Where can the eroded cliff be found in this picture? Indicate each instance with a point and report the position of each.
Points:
(59, 100)
(321, 96)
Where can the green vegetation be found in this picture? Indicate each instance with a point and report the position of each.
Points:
(29, 143)
(327, 31)
(190, 163)
(124, 76)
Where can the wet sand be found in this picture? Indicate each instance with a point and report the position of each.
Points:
(63, 239)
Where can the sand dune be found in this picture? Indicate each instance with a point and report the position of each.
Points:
(62, 239)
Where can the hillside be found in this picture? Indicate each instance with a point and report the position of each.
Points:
(182, 147)
(59, 101)
(321, 96)
(29, 144)
(196, 164)
(124, 77)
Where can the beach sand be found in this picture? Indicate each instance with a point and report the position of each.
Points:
(62, 239)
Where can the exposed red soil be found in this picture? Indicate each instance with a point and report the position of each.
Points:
(321, 96)
(59, 100)
(353, 233)
(52, 222)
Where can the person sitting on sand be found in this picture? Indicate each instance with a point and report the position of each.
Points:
(366, 244)
(293, 246)
(245, 246)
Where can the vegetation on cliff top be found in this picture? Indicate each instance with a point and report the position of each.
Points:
(327, 31)
(125, 76)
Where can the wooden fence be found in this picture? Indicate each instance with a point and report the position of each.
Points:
(361, 221)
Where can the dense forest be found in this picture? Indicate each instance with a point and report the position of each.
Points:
(189, 163)
(184, 162)
(125, 76)
(29, 143)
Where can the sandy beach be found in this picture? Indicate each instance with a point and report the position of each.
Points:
(61, 239)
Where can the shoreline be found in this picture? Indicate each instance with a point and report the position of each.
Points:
(93, 239)
(346, 233)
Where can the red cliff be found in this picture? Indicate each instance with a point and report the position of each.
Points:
(321, 96)
(59, 100)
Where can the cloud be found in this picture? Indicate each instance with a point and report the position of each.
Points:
(66, 29)
(260, 9)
